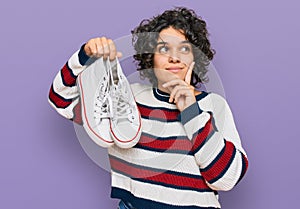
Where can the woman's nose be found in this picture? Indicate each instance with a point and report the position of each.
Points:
(173, 58)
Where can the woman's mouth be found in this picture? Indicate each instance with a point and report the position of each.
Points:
(174, 69)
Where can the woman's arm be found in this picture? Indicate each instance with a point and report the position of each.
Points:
(216, 143)
(64, 94)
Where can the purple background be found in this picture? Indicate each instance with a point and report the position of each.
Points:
(42, 162)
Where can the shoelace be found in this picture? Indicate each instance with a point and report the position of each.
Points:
(102, 108)
(122, 108)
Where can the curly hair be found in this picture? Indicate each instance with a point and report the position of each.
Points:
(146, 34)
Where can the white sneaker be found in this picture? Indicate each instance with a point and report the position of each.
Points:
(96, 104)
(126, 123)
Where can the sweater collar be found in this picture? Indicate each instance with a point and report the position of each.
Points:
(164, 96)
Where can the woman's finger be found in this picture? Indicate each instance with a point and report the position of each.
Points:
(90, 48)
(112, 50)
(182, 91)
(175, 93)
(99, 48)
(174, 83)
(188, 75)
(106, 49)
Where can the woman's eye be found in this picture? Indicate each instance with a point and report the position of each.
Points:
(185, 49)
(163, 49)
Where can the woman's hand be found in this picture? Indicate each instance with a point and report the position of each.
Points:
(98, 47)
(182, 93)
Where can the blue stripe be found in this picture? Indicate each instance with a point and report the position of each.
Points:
(172, 151)
(163, 96)
(82, 56)
(165, 138)
(146, 204)
(202, 95)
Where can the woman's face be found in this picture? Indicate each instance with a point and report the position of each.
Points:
(173, 56)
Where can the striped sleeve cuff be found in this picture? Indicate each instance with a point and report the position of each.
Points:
(193, 119)
(221, 163)
(189, 113)
(83, 57)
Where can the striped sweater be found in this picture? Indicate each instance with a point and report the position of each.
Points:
(182, 158)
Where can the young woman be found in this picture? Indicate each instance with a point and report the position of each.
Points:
(189, 147)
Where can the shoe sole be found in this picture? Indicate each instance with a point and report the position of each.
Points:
(103, 140)
(119, 131)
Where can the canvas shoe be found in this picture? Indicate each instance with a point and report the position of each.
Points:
(126, 121)
(96, 104)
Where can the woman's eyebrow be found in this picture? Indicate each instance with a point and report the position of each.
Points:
(182, 42)
(185, 42)
(162, 42)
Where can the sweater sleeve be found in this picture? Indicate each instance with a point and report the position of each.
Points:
(64, 94)
(216, 143)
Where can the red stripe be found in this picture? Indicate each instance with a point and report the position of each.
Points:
(67, 76)
(165, 115)
(167, 144)
(221, 164)
(246, 164)
(58, 101)
(199, 139)
(159, 177)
